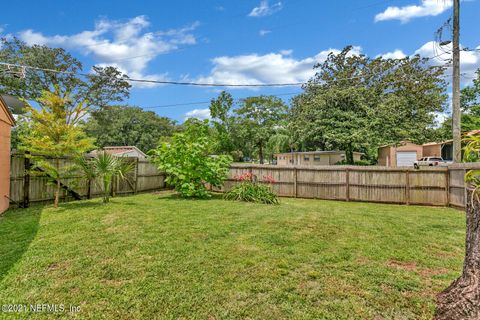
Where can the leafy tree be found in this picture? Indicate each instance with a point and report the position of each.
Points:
(223, 123)
(54, 132)
(21, 128)
(128, 126)
(258, 117)
(106, 167)
(100, 87)
(357, 103)
(188, 162)
(470, 104)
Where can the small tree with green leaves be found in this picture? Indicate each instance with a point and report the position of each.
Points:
(54, 133)
(461, 300)
(188, 161)
(107, 168)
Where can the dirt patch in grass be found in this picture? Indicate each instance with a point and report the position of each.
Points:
(402, 265)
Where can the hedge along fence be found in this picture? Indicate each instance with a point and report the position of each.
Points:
(435, 186)
(26, 187)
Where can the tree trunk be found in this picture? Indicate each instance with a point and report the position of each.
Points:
(349, 154)
(58, 186)
(461, 300)
(260, 152)
(57, 194)
(89, 189)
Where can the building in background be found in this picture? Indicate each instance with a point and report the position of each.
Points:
(122, 151)
(314, 158)
(6, 123)
(403, 154)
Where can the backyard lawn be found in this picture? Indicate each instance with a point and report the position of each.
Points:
(158, 256)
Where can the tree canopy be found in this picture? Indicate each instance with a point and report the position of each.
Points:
(358, 103)
(98, 88)
(128, 126)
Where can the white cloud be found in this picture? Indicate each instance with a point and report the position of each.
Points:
(469, 60)
(265, 9)
(278, 67)
(264, 32)
(397, 54)
(126, 45)
(406, 13)
(201, 114)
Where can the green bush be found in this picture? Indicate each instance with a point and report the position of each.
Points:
(249, 190)
(355, 163)
(188, 163)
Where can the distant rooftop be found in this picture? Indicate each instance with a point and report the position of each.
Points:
(119, 150)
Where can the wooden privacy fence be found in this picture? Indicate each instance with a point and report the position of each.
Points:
(27, 186)
(436, 186)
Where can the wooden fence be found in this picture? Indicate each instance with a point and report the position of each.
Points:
(27, 186)
(435, 186)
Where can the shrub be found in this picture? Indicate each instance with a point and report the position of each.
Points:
(249, 190)
(188, 163)
(355, 163)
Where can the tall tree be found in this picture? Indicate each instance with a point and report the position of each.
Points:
(128, 126)
(54, 132)
(224, 124)
(357, 103)
(99, 88)
(258, 117)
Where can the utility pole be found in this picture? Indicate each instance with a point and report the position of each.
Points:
(456, 114)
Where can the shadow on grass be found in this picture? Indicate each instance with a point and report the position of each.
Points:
(18, 228)
(178, 197)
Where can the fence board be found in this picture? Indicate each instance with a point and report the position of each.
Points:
(40, 190)
(439, 186)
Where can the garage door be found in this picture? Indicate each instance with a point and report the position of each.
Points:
(406, 158)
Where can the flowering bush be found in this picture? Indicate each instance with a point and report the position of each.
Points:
(250, 190)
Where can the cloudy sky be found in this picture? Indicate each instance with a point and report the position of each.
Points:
(234, 42)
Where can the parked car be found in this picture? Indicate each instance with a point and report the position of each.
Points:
(430, 162)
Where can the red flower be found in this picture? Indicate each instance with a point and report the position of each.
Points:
(268, 179)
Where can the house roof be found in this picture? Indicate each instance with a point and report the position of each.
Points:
(315, 152)
(5, 107)
(119, 150)
(401, 143)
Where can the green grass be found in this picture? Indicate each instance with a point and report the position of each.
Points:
(157, 256)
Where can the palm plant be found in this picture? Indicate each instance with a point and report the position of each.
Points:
(106, 168)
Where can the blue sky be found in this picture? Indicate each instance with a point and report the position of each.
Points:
(248, 41)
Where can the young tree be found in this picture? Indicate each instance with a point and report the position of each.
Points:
(99, 88)
(54, 133)
(188, 162)
(258, 117)
(461, 300)
(107, 168)
(355, 102)
(128, 126)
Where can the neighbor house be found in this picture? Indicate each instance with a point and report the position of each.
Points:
(122, 151)
(6, 123)
(313, 158)
(403, 154)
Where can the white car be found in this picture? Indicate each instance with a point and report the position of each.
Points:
(429, 162)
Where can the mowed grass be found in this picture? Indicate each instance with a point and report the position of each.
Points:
(160, 257)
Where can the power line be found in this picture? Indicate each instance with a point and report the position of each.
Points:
(184, 83)
(205, 102)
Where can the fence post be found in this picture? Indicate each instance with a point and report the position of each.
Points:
(347, 184)
(407, 187)
(136, 177)
(26, 180)
(295, 175)
(447, 186)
